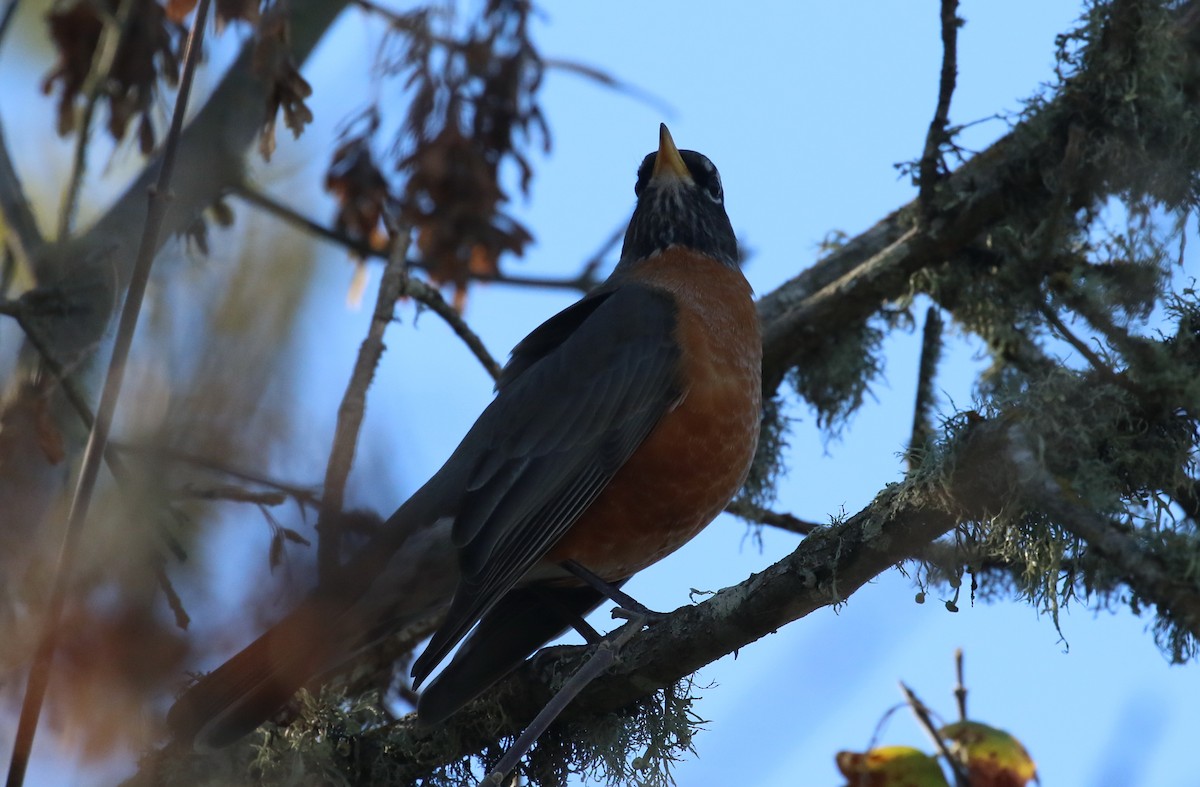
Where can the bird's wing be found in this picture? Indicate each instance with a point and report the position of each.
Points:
(592, 383)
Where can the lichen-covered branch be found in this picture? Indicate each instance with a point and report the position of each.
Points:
(1021, 172)
(1176, 595)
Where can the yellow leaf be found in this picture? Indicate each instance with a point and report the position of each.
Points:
(994, 758)
(891, 766)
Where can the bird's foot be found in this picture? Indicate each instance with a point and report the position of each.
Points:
(639, 613)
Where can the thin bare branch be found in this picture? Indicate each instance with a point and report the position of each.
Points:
(601, 77)
(750, 512)
(235, 494)
(302, 494)
(961, 779)
(585, 280)
(39, 675)
(353, 406)
(931, 159)
(429, 296)
(182, 618)
(1097, 363)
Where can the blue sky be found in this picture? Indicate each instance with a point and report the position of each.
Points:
(804, 107)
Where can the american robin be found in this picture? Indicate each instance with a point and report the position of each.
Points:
(621, 427)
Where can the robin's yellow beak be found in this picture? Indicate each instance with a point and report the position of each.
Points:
(668, 163)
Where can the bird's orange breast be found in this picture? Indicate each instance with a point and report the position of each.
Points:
(697, 457)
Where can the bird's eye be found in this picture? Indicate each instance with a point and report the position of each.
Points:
(715, 189)
(707, 178)
(712, 187)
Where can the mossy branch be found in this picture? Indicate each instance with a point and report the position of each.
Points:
(1024, 168)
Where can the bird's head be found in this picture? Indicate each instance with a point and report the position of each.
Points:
(680, 202)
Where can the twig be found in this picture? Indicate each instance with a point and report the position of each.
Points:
(1081, 347)
(601, 659)
(743, 508)
(931, 355)
(931, 158)
(182, 619)
(960, 688)
(923, 718)
(266, 202)
(1132, 348)
(582, 282)
(1061, 329)
(406, 24)
(234, 494)
(661, 105)
(354, 402)
(39, 674)
(112, 30)
(429, 296)
(301, 494)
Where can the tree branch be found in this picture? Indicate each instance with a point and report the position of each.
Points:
(850, 284)
(430, 297)
(746, 510)
(931, 159)
(925, 721)
(585, 280)
(353, 406)
(93, 456)
(1141, 570)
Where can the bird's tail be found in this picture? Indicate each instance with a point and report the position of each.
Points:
(524, 620)
(407, 573)
(239, 695)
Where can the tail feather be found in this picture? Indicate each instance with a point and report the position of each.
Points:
(237, 696)
(377, 592)
(521, 622)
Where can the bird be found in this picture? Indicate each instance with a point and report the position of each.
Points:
(620, 428)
